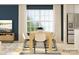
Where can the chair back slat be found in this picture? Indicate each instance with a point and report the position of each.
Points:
(40, 36)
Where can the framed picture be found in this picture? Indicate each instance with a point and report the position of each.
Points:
(5, 26)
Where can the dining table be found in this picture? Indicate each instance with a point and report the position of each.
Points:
(48, 37)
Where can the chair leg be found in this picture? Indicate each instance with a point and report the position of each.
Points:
(25, 43)
(34, 46)
(45, 46)
(55, 44)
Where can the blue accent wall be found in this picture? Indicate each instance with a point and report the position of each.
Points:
(10, 12)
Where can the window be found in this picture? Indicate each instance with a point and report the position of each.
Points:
(40, 17)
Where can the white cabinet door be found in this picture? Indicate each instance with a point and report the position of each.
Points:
(76, 38)
(70, 38)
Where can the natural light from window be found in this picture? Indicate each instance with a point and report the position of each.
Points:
(40, 18)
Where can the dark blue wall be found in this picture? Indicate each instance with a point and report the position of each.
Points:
(10, 12)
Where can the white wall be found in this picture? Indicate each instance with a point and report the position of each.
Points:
(22, 21)
(57, 9)
(69, 8)
(76, 7)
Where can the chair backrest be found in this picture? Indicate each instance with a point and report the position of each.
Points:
(40, 36)
(25, 36)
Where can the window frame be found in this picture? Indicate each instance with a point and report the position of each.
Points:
(41, 20)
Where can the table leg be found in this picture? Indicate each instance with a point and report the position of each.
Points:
(50, 46)
(31, 46)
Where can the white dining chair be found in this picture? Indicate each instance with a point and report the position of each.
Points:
(40, 36)
(26, 38)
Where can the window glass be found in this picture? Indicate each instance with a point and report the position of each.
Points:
(43, 18)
